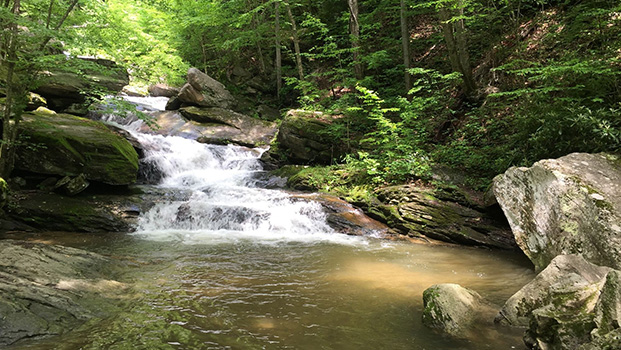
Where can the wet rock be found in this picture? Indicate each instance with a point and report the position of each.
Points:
(71, 186)
(304, 138)
(570, 205)
(204, 91)
(46, 290)
(344, 217)
(82, 213)
(163, 90)
(423, 212)
(453, 309)
(215, 126)
(223, 126)
(66, 145)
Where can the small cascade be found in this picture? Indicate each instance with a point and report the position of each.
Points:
(226, 202)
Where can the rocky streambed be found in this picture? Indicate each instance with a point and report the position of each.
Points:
(83, 175)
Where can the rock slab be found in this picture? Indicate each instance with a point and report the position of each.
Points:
(67, 145)
(46, 290)
(570, 205)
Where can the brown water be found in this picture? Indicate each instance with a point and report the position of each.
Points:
(248, 294)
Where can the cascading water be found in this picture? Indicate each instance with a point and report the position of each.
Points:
(225, 201)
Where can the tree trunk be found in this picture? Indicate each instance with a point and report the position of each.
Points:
(9, 130)
(354, 31)
(405, 43)
(278, 62)
(296, 43)
(60, 23)
(456, 43)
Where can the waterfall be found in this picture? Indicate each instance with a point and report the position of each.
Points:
(225, 201)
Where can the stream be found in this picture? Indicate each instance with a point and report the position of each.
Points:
(226, 263)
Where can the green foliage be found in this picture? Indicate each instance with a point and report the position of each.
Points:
(390, 153)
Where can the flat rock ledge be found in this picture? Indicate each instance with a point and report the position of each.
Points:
(46, 290)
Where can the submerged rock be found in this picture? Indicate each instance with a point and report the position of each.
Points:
(570, 205)
(453, 309)
(570, 303)
(46, 290)
(67, 145)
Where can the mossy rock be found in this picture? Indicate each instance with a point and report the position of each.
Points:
(304, 138)
(67, 145)
(4, 193)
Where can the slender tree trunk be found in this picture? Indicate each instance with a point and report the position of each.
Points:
(296, 43)
(49, 14)
(9, 130)
(405, 43)
(354, 31)
(456, 44)
(278, 62)
(60, 23)
(255, 25)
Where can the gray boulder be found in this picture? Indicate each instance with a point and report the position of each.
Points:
(304, 138)
(215, 126)
(67, 145)
(163, 90)
(569, 304)
(204, 91)
(570, 205)
(569, 281)
(453, 309)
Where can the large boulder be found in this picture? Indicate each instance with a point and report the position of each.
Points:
(71, 82)
(417, 211)
(304, 138)
(570, 303)
(204, 91)
(215, 126)
(163, 90)
(453, 309)
(46, 290)
(570, 205)
(67, 145)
